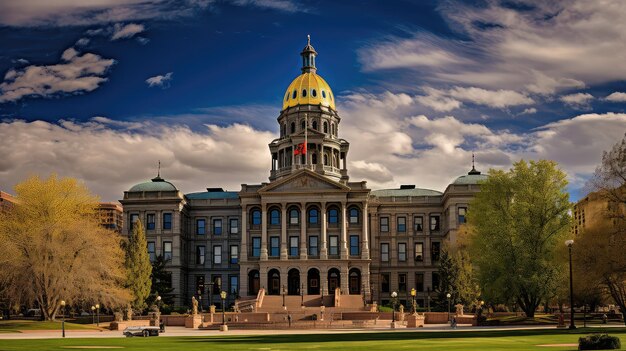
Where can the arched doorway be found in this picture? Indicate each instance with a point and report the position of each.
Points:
(273, 282)
(334, 280)
(293, 282)
(354, 284)
(254, 283)
(313, 282)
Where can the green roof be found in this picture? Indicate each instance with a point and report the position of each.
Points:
(156, 184)
(213, 195)
(406, 192)
(470, 179)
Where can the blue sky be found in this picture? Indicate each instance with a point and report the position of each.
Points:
(102, 91)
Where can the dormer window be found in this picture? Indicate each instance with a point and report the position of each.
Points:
(313, 92)
(303, 92)
(295, 94)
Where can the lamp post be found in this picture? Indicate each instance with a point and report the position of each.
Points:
(284, 307)
(159, 303)
(393, 308)
(448, 296)
(428, 297)
(302, 295)
(322, 289)
(223, 296)
(93, 314)
(97, 315)
(63, 312)
(413, 292)
(200, 299)
(569, 244)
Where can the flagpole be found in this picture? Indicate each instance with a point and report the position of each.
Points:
(306, 140)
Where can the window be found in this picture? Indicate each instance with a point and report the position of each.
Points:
(274, 246)
(401, 225)
(313, 92)
(402, 252)
(303, 126)
(435, 281)
(418, 223)
(200, 254)
(293, 127)
(234, 285)
(293, 245)
(303, 92)
(256, 217)
(217, 284)
(314, 125)
(313, 216)
(287, 96)
(354, 215)
(313, 246)
(152, 251)
(295, 93)
(150, 221)
(354, 245)
(323, 94)
(384, 252)
(434, 223)
(419, 281)
(217, 254)
(401, 282)
(333, 216)
(167, 250)
(167, 221)
(133, 218)
(325, 126)
(217, 227)
(462, 212)
(384, 282)
(234, 254)
(234, 225)
(435, 251)
(384, 224)
(274, 217)
(200, 226)
(256, 246)
(294, 217)
(419, 252)
(333, 245)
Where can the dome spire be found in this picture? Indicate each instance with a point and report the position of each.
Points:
(158, 177)
(473, 171)
(308, 57)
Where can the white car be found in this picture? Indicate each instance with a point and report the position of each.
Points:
(141, 331)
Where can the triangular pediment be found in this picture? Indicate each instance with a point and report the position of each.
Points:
(304, 181)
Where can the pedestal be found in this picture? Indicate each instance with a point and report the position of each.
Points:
(193, 321)
(415, 321)
(224, 327)
(394, 325)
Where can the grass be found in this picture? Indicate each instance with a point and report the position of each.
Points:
(461, 340)
(14, 326)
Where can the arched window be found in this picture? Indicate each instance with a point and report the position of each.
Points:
(325, 159)
(274, 217)
(303, 124)
(287, 96)
(314, 159)
(353, 215)
(303, 92)
(256, 217)
(313, 93)
(293, 127)
(294, 216)
(295, 93)
(313, 216)
(315, 125)
(325, 127)
(333, 215)
(332, 128)
(283, 129)
(323, 94)
(330, 94)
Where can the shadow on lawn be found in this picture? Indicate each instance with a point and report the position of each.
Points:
(387, 336)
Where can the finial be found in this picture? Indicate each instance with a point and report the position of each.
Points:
(308, 39)
(473, 160)
(158, 177)
(159, 170)
(473, 171)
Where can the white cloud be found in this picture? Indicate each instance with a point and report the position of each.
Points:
(75, 74)
(529, 111)
(283, 5)
(493, 98)
(126, 31)
(82, 41)
(616, 97)
(162, 81)
(577, 99)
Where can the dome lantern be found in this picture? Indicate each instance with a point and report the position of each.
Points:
(308, 57)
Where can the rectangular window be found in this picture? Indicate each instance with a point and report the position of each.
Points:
(462, 213)
(234, 254)
(256, 246)
(333, 245)
(217, 254)
(200, 254)
(434, 223)
(384, 224)
(419, 252)
(234, 285)
(384, 252)
(354, 245)
(313, 246)
(150, 221)
(234, 225)
(217, 284)
(167, 250)
(418, 223)
(435, 251)
(384, 282)
(200, 226)
(401, 252)
(435, 281)
(167, 221)
(401, 282)
(401, 224)
(294, 244)
(419, 281)
(274, 246)
(217, 227)
(133, 218)
(152, 251)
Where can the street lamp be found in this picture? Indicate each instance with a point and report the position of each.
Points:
(97, 315)
(393, 308)
(200, 299)
(93, 314)
(284, 307)
(302, 295)
(223, 296)
(413, 292)
(63, 312)
(569, 244)
(448, 296)
(159, 303)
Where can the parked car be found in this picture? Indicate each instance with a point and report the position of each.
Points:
(141, 331)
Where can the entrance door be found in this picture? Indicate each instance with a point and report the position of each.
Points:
(333, 280)
(293, 282)
(313, 282)
(254, 283)
(355, 281)
(273, 278)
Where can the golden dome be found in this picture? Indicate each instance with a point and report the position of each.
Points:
(308, 89)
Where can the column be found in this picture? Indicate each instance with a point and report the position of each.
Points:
(365, 281)
(303, 243)
(345, 279)
(323, 239)
(365, 249)
(244, 235)
(264, 232)
(344, 223)
(284, 254)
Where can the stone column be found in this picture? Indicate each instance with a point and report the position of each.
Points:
(244, 235)
(345, 279)
(323, 239)
(284, 254)
(365, 249)
(303, 243)
(344, 223)
(264, 232)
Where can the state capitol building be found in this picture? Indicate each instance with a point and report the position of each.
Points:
(310, 230)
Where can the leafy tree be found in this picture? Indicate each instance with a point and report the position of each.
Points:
(138, 266)
(519, 221)
(54, 249)
(457, 277)
(161, 283)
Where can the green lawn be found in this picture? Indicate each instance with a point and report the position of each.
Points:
(13, 326)
(461, 340)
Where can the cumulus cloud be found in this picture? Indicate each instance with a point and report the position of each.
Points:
(82, 41)
(75, 73)
(529, 111)
(616, 97)
(443, 100)
(126, 31)
(162, 81)
(577, 99)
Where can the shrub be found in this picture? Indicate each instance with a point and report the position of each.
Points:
(599, 342)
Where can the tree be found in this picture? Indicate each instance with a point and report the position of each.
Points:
(138, 266)
(161, 282)
(54, 248)
(457, 277)
(519, 221)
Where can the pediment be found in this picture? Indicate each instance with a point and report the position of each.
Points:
(304, 181)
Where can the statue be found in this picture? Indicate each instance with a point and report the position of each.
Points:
(194, 303)
(459, 309)
(129, 313)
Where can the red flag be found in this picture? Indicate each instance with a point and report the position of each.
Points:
(300, 149)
